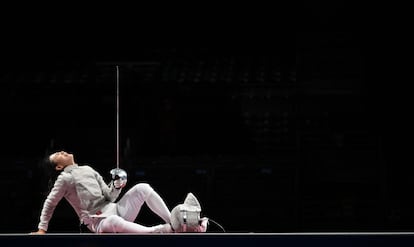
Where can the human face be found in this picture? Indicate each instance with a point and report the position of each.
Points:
(61, 159)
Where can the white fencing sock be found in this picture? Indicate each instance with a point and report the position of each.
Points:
(116, 224)
(158, 206)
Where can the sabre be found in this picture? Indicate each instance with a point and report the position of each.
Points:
(117, 172)
(117, 116)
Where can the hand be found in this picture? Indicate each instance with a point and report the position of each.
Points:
(203, 225)
(120, 183)
(40, 231)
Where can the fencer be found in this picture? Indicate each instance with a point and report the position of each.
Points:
(94, 201)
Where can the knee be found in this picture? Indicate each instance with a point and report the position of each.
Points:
(112, 223)
(143, 190)
(113, 219)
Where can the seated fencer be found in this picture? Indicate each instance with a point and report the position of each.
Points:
(94, 201)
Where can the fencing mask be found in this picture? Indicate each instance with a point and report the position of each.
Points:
(186, 217)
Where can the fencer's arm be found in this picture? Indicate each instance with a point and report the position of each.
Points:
(109, 191)
(49, 205)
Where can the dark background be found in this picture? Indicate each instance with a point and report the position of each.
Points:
(274, 127)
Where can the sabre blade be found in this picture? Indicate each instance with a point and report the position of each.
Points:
(117, 173)
(117, 116)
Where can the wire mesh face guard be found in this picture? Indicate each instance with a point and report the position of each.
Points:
(186, 217)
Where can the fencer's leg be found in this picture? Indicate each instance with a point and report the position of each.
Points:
(116, 224)
(158, 206)
(130, 204)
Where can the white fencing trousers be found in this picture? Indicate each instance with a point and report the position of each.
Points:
(128, 208)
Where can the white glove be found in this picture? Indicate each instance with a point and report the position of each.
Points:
(203, 225)
(120, 183)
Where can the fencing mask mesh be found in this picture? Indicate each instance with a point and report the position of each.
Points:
(186, 217)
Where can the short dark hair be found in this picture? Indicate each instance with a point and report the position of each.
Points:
(48, 171)
(48, 162)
